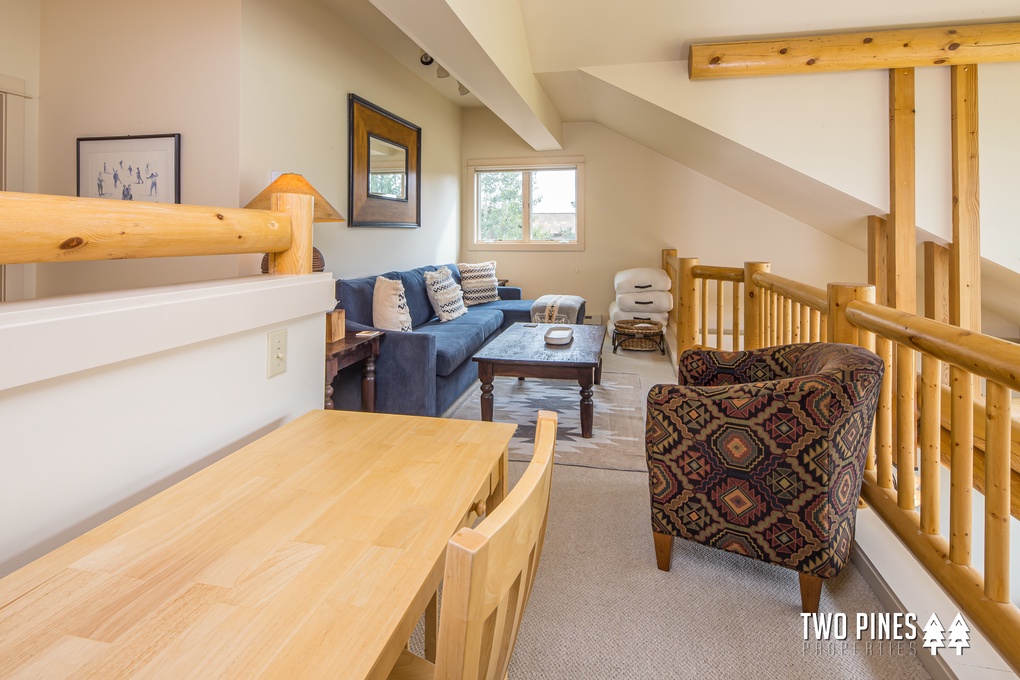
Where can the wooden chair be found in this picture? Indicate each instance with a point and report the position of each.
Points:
(489, 573)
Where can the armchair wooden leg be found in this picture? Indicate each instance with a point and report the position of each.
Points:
(810, 593)
(663, 550)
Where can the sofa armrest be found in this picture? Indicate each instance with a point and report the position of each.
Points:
(715, 367)
(405, 372)
(509, 293)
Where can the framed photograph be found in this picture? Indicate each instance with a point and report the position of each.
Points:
(384, 161)
(132, 168)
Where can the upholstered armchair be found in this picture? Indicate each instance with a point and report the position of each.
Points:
(762, 453)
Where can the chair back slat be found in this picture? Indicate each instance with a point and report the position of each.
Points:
(490, 570)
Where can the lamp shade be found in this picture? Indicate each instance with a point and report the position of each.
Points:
(292, 183)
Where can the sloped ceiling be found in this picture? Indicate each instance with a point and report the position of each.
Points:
(565, 43)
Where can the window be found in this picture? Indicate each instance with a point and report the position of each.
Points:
(534, 204)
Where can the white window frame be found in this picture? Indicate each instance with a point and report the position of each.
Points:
(524, 164)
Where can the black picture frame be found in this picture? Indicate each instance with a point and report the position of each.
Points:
(365, 209)
(111, 168)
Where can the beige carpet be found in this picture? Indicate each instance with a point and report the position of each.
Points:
(617, 441)
(601, 609)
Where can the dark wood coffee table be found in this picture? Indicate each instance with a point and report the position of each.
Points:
(521, 352)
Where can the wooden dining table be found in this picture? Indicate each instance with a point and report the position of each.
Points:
(309, 553)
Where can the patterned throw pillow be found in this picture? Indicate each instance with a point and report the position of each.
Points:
(478, 282)
(444, 294)
(389, 306)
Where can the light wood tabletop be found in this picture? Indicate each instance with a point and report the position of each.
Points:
(310, 553)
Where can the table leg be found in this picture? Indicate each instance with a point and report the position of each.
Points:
(587, 407)
(486, 377)
(598, 372)
(368, 385)
(329, 396)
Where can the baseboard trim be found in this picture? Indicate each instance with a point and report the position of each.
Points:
(936, 666)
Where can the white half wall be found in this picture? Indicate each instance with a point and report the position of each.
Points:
(106, 399)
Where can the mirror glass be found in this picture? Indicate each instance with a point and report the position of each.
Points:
(387, 169)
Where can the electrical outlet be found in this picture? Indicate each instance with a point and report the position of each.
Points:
(277, 353)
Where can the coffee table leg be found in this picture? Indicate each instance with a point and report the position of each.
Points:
(587, 408)
(486, 377)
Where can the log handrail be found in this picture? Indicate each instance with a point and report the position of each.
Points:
(982, 355)
(43, 228)
(731, 274)
(813, 297)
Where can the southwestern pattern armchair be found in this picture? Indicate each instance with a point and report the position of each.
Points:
(762, 453)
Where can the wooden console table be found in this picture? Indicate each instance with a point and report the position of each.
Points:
(310, 553)
(350, 350)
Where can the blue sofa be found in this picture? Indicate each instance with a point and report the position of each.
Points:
(422, 372)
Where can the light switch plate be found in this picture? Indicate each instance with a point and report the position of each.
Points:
(277, 352)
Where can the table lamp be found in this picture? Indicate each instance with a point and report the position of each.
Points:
(292, 183)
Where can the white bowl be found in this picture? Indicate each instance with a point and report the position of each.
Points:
(559, 335)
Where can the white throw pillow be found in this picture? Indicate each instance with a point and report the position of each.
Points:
(444, 294)
(478, 282)
(389, 306)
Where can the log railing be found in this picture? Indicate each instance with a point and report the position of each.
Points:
(790, 311)
(44, 228)
(920, 424)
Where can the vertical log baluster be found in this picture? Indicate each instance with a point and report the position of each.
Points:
(961, 471)
(997, 474)
(930, 441)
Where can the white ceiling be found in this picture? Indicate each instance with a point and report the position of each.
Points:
(567, 35)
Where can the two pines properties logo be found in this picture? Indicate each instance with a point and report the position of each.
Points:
(875, 634)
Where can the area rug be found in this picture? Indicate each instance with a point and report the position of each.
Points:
(617, 441)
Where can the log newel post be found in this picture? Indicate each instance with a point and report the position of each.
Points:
(298, 258)
(753, 307)
(686, 319)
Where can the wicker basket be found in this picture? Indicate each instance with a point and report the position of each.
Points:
(639, 335)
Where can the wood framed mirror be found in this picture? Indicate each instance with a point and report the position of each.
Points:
(384, 168)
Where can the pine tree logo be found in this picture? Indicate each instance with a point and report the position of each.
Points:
(933, 633)
(959, 635)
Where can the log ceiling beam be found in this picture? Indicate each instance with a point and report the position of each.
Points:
(898, 48)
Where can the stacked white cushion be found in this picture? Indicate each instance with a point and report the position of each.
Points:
(641, 279)
(617, 314)
(652, 301)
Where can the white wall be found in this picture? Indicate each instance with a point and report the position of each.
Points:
(298, 63)
(19, 58)
(106, 399)
(151, 68)
(638, 202)
(833, 127)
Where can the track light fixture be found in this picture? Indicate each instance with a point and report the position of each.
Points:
(426, 59)
(442, 72)
(460, 88)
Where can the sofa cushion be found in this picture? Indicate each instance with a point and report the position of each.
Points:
(445, 294)
(415, 292)
(355, 297)
(514, 311)
(457, 340)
